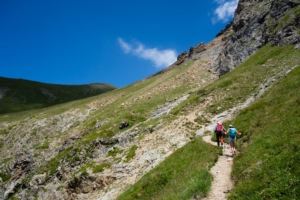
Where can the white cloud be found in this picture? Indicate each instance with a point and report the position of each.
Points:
(160, 58)
(225, 10)
(126, 47)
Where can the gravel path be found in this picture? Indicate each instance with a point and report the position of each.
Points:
(222, 183)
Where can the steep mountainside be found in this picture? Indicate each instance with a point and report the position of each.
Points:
(257, 23)
(144, 139)
(19, 95)
(52, 149)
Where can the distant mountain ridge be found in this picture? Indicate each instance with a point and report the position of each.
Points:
(20, 94)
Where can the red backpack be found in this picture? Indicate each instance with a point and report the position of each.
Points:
(219, 127)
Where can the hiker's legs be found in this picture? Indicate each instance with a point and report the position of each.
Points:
(233, 147)
(218, 135)
(232, 144)
(221, 140)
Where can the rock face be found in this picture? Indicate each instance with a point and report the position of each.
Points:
(255, 24)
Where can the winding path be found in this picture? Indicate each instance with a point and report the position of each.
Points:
(222, 183)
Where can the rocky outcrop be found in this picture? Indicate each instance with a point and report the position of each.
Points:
(185, 56)
(88, 184)
(255, 24)
(181, 58)
(223, 31)
(196, 50)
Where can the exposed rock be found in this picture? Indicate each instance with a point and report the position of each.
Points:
(39, 179)
(87, 184)
(225, 29)
(22, 165)
(191, 55)
(69, 142)
(168, 107)
(195, 50)
(181, 58)
(108, 141)
(123, 124)
(255, 24)
(11, 189)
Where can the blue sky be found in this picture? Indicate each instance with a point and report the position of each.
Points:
(105, 41)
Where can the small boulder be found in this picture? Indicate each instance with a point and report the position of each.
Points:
(123, 124)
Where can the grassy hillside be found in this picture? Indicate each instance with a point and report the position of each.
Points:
(44, 132)
(18, 95)
(185, 173)
(268, 167)
(135, 104)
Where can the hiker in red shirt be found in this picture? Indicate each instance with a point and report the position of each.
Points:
(219, 133)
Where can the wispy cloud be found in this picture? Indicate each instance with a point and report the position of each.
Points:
(160, 58)
(225, 11)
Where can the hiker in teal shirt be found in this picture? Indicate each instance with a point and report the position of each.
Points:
(232, 137)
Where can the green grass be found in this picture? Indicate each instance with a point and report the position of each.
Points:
(114, 152)
(51, 166)
(269, 165)
(95, 168)
(83, 170)
(5, 176)
(131, 153)
(59, 187)
(184, 174)
(44, 146)
(100, 168)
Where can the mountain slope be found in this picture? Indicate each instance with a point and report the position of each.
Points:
(269, 163)
(258, 75)
(78, 150)
(58, 145)
(19, 95)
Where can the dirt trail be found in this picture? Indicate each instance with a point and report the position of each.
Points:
(222, 183)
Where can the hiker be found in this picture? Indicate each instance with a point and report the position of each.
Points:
(219, 133)
(232, 137)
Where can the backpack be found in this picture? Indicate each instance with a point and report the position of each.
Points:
(232, 132)
(220, 127)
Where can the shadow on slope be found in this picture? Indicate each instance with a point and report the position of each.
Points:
(19, 95)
